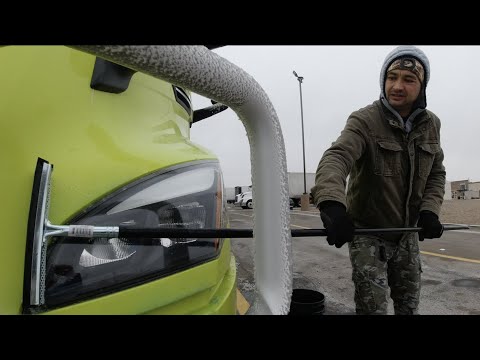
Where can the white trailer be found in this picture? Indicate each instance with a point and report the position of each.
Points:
(241, 189)
(230, 195)
(296, 185)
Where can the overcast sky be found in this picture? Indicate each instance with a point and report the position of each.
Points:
(337, 81)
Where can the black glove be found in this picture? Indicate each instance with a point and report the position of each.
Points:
(432, 228)
(337, 223)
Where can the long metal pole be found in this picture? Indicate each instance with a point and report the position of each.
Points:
(303, 138)
(87, 231)
(126, 232)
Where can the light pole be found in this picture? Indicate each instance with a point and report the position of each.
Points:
(305, 201)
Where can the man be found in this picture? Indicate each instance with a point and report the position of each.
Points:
(391, 150)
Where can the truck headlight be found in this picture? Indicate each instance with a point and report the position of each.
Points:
(188, 196)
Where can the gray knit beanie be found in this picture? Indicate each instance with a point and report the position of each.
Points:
(404, 51)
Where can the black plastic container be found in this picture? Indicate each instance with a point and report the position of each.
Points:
(307, 302)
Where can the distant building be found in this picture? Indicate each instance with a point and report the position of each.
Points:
(458, 188)
(464, 189)
(475, 186)
(474, 189)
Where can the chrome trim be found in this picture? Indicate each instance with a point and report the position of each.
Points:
(86, 231)
(182, 98)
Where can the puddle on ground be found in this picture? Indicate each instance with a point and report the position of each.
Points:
(431, 282)
(468, 283)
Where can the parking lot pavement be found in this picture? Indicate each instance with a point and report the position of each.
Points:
(308, 252)
(451, 264)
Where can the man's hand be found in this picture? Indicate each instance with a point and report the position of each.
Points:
(337, 223)
(432, 228)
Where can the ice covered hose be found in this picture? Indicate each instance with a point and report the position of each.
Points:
(208, 74)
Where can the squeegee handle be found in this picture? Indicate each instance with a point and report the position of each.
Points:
(126, 232)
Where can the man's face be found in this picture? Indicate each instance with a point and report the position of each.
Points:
(402, 88)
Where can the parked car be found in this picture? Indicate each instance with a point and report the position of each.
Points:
(245, 200)
(119, 145)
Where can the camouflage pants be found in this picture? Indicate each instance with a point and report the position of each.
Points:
(378, 265)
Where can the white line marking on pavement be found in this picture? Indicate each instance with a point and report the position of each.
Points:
(465, 231)
(303, 227)
(304, 214)
(450, 257)
(249, 216)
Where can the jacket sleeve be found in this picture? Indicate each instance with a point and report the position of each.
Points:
(337, 161)
(435, 187)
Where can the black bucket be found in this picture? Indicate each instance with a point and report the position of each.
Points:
(307, 302)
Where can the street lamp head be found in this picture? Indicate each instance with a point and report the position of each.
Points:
(299, 78)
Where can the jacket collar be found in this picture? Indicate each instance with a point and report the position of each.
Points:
(417, 117)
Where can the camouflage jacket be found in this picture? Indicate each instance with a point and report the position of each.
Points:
(393, 174)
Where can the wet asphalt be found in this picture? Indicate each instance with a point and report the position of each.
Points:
(450, 279)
